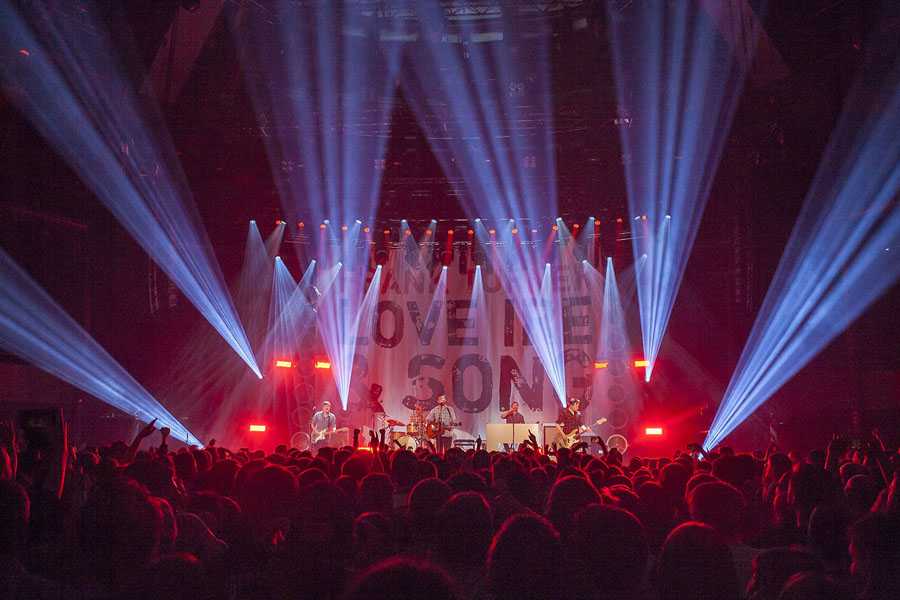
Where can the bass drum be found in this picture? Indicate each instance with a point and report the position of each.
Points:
(408, 442)
(300, 441)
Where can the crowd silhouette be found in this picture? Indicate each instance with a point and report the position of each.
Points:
(142, 521)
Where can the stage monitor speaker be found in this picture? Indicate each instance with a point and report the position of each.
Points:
(511, 434)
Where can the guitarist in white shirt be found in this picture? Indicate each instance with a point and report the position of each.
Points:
(323, 422)
(442, 418)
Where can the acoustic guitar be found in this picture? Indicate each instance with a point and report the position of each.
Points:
(434, 430)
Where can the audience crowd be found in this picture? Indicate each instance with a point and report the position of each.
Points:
(142, 521)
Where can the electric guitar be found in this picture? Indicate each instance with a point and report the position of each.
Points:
(435, 430)
(567, 440)
(315, 435)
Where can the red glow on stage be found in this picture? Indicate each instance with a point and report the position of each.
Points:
(322, 226)
(492, 231)
(24, 52)
(387, 232)
(555, 228)
(641, 363)
(601, 364)
(471, 232)
(365, 230)
(301, 224)
(653, 431)
(322, 364)
(258, 428)
(284, 364)
(515, 231)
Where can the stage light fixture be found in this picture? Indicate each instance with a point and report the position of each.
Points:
(322, 364)
(655, 431)
(641, 363)
(284, 364)
(601, 364)
(258, 428)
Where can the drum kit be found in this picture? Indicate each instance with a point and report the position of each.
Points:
(409, 437)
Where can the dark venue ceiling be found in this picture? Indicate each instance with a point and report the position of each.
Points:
(184, 53)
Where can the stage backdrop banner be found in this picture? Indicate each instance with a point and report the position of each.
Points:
(422, 344)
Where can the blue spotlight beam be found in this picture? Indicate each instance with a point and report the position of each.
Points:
(472, 100)
(291, 312)
(843, 252)
(313, 71)
(34, 327)
(70, 85)
(255, 281)
(678, 84)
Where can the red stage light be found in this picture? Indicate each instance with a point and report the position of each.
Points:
(492, 231)
(515, 231)
(301, 224)
(387, 232)
(653, 430)
(322, 226)
(258, 428)
(601, 364)
(343, 228)
(322, 364)
(555, 228)
(641, 363)
(576, 225)
(365, 230)
(284, 364)
(471, 232)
